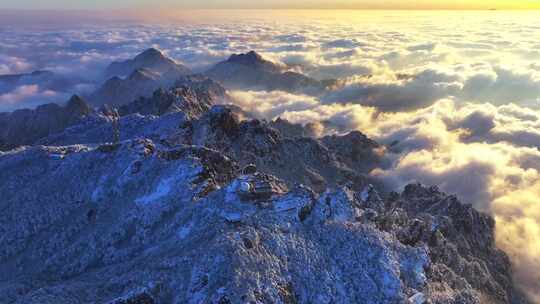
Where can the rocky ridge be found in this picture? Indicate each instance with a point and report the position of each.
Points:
(194, 204)
(25, 127)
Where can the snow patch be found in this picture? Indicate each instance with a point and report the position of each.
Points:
(364, 196)
(98, 193)
(232, 216)
(164, 187)
(185, 230)
(289, 203)
(418, 298)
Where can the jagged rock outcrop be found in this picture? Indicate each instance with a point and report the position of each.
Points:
(355, 150)
(294, 130)
(193, 95)
(158, 117)
(252, 71)
(295, 159)
(466, 265)
(25, 127)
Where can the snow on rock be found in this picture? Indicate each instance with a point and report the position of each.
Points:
(165, 215)
(338, 205)
(180, 244)
(162, 190)
(418, 298)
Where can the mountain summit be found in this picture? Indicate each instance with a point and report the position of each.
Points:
(151, 59)
(138, 77)
(255, 61)
(252, 71)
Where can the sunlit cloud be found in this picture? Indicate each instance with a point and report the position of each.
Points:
(488, 155)
(458, 101)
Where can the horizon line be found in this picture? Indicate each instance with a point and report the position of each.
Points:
(260, 9)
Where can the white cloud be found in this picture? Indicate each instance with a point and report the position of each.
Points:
(13, 65)
(461, 97)
(28, 96)
(483, 153)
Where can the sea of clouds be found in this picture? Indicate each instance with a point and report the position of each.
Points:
(456, 96)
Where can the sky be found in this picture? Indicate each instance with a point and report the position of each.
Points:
(283, 4)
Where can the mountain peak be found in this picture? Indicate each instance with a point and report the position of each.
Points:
(78, 104)
(75, 100)
(251, 70)
(152, 60)
(151, 53)
(249, 58)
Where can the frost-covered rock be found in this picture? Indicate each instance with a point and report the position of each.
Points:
(166, 214)
(103, 232)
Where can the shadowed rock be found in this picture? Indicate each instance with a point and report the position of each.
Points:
(252, 71)
(25, 127)
(138, 77)
(150, 59)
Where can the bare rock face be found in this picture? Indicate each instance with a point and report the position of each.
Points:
(355, 150)
(293, 130)
(25, 127)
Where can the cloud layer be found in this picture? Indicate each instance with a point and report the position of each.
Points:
(457, 95)
(385, 60)
(486, 154)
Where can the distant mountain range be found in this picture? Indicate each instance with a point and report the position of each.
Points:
(252, 71)
(151, 70)
(25, 127)
(15, 79)
(145, 73)
(128, 80)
